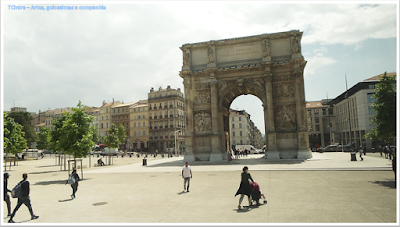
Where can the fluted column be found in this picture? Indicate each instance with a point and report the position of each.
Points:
(216, 153)
(188, 83)
(272, 152)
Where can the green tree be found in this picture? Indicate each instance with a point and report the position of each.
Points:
(43, 142)
(14, 140)
(25, 119)
(121, 134)
(56, 134)
(111, 140)
(76, 133)
(95, 135)
(385, 107)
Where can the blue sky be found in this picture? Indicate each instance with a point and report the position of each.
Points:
(53, 59)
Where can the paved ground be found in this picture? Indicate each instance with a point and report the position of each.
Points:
(329, 188)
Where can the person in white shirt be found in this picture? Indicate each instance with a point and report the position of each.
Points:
(186, 175)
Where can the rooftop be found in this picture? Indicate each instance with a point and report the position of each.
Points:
(315, 104)
(378, 77)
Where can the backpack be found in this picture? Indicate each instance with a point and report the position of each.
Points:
(71, 179)
(16, 192)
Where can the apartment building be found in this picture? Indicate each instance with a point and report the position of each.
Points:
(240, 128)
(166, 118)
(139, 126)
(319, 123)
(105, 117)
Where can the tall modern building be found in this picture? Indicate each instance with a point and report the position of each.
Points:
(353, 113)
(166, 116)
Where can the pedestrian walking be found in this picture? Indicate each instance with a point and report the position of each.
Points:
(390, 153)
(6, 195)
(74, 184)
(385, 151)
(361, 153)
(186, 175)
(244, 188)
(24, 199)
(380, 149)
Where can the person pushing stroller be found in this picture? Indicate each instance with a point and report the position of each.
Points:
(256, 193)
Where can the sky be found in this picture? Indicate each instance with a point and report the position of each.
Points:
(52, 59)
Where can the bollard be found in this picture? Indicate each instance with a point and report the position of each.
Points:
(353, 156)
(144, 161)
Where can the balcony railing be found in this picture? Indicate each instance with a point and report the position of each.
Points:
(155, 137)
(170, 106)
(160, 116)
(161, 126)
(165, 97)
(165, 106)
(171, 126)
(155, 117)
(171, 115)
(171, 136)
(155, 107)
(166, 126)
(165, 116)
(155, 127)
(151, 137)
(161, 137)
(150, 117)
(150, 108)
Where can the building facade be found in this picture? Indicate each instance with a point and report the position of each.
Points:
(240, 128)
(320, 120)
(356, 104)
(139, 126)
(105, 117)
(166, 118)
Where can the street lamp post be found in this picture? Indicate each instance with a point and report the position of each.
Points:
(175, 141)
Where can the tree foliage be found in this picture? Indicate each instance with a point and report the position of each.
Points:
(73, 134)
(95, 135)
(121, 133)
(14, 140)
(25, 119)
(44, 135)
(385, 107)
(56, 134)
(111, 140)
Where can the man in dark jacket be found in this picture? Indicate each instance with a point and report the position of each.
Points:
(394, 165)
(24, 199)
(6, 196)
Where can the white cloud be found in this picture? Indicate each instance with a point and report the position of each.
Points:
(317, 62)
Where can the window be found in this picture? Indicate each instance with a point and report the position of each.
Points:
(134, 133)
(240, 118)
(144, 132)
(134, 125)
(144, 124)
(139, 133)
(233, 133)
(316, 120)
(371, 86)
(317, 128)
(101, 117)
(107, 125)
(106, 117)
(139, 124)
(134, 117)
(370, 98)
(316, 112)
(233, 125)
(371, 110)
(241, 141)
(101, 111)
(240, 133)
(234, 142)
(101, 125)
(233, 118)
(107, 110)
(240, 125)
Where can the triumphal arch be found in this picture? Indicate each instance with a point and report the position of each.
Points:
(268, 66)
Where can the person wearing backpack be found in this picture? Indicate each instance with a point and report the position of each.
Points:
(24, 199)
(73, 181)
(6, 196)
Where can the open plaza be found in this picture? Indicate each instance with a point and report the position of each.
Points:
(328, 188)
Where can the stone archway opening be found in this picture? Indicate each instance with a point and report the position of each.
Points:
(268, 66)
(246, 122)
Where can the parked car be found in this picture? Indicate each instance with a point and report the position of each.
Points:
(331, 148)
(346, 148)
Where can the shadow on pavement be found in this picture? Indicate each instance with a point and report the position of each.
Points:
(389, 184)
(45, 172)
(182, 192)
(46, 166)
(56, 182)
(65, 200)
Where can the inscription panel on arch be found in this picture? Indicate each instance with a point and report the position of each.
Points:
(239, 52)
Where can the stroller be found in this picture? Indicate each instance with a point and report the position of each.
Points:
(256, 193)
